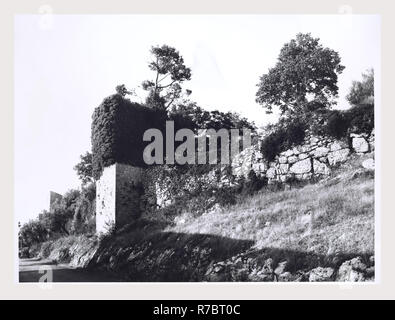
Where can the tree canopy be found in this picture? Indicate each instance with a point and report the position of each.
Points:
(84, 168)
(169, 73)
(362, 92)
(304, 77)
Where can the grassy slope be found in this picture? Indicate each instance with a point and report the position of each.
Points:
(329, 217)
(321, 224)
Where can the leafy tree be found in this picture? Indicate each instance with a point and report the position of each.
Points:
(304, 77)
(55, 222)
(31, 233)
(170, 73)
(194, 117)
(362, 92)
(85, 213)
(84, 168)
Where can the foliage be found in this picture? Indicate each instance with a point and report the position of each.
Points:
(117, 132)
(287, 133)
(305, 71)
(123, 91)
(167, 64)
(73, 214)
(337, 124)
(32, 232)
(84, 221)
(358, 119)
(362, 92)
(84, 168)
(361, 118)
(193, 117)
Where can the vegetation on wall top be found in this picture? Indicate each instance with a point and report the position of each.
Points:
(117, 132)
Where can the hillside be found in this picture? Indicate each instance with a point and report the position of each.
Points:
(321, 231)
(335, 215)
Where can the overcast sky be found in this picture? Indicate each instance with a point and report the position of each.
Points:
(66, 65)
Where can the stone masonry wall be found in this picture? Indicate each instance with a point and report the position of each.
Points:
(120, 187)
(314, 158)
(117, 196)
(105, 200)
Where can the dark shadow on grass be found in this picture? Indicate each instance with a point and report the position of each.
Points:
(144, 252)
(170, 256)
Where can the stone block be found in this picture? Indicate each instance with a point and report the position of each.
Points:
(303, 166)
(292, 159)
(320, 152)
(359, 144)
(321, 168)
(282, 159)
(338, 156)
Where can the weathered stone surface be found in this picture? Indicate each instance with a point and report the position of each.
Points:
(338, 156)
(117, 196)
(303, 156)
(320, 152)
(306, 176)
(281, 268)
(285, 277)
(321, 274)
(302, 149)
(295, 151)
(303, 166)
(258, 167)
(283, 168)
(321, 168)
(358, 135)
(360, 145)
(282, 159)
(337, 145)
(314, 140)
(352, 271)
(368, 164)
(292, 159)
(288, 153)
(271, 173)
(283, 178)
(105, 199)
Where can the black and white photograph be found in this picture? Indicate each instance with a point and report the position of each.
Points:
(196, 148)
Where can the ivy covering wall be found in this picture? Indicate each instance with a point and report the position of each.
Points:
(118, 126)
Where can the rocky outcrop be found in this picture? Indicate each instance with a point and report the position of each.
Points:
(251, 267)
(77, 251)
(321, 274)
(355, 271)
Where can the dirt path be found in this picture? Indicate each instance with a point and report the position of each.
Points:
(32, 270)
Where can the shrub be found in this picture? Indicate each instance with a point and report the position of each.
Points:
(358, 119)
(253, 183)
(337, 124)
(361, 118)
(287, 132)
(362, 92)
(84, 221)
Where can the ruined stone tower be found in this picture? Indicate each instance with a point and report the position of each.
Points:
(118, 126)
